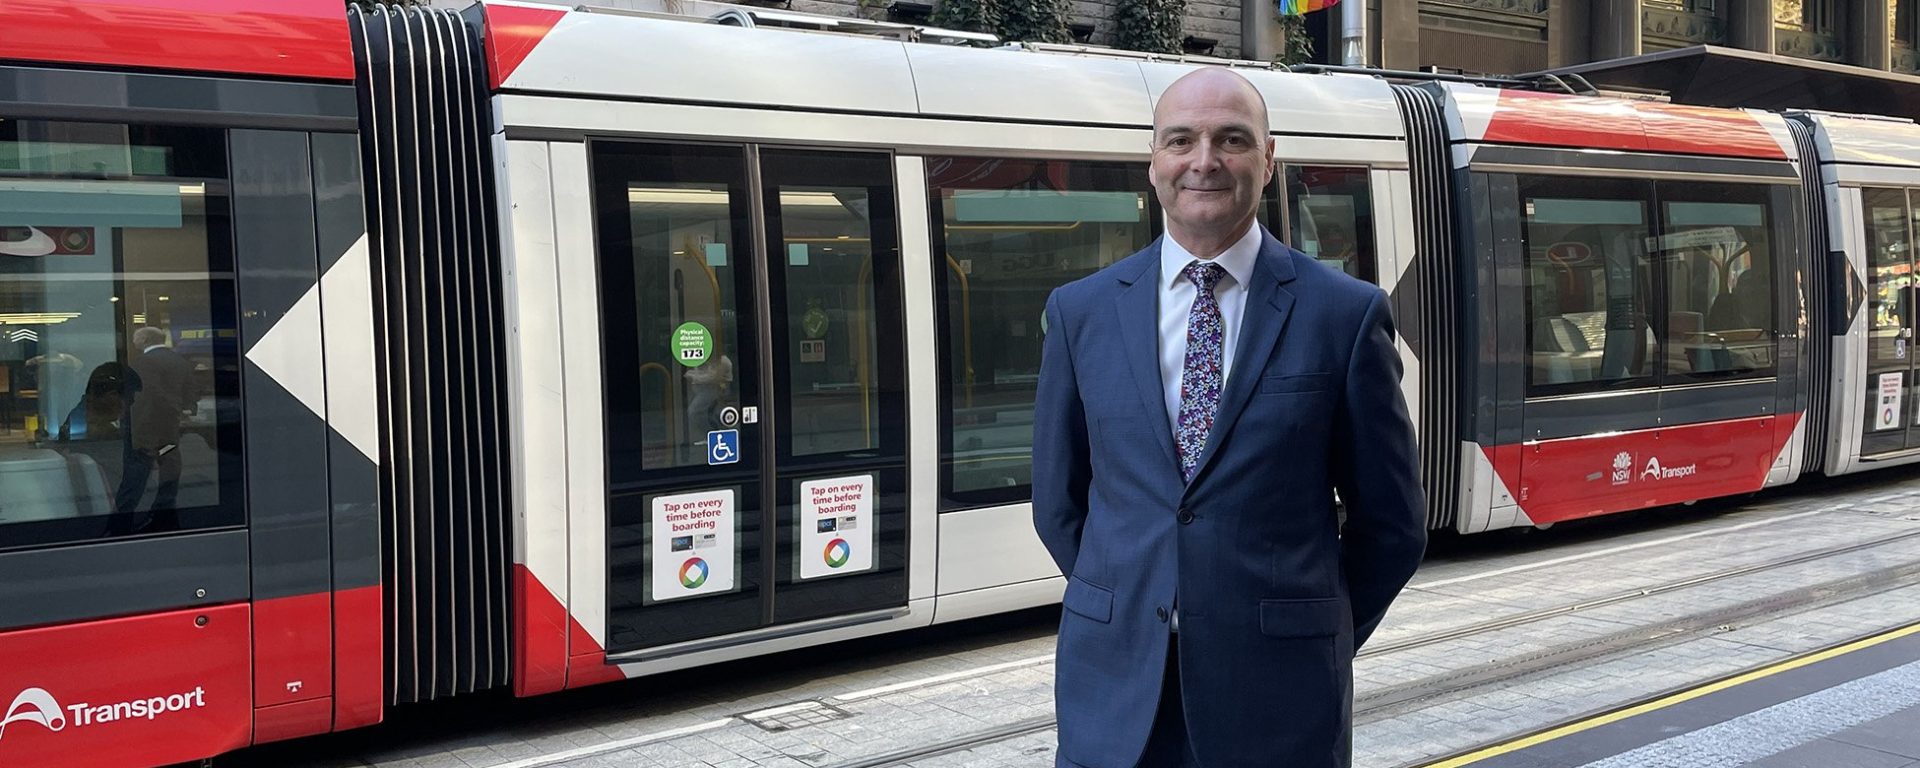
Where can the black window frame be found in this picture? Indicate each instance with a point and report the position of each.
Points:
(1780, 208)
(951, 500)
(198, 155)
(1370, 255)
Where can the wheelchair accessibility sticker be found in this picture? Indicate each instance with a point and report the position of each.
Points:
(723, 446)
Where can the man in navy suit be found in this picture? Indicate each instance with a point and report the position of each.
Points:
(1199, 403)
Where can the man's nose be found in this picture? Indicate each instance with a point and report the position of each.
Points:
(1206, 157)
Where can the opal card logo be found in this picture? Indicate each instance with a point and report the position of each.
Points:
(693, 573)
(34, 705)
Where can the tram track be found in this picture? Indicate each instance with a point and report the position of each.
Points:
(1382, 703)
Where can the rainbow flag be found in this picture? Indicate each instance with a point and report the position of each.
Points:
(1302, 7)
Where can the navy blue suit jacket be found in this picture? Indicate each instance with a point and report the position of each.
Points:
(1274, 594)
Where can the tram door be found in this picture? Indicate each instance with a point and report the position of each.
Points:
(756, 437)
(1891, 420)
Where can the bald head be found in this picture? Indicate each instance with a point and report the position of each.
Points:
(1211, 89)
(1212, 158)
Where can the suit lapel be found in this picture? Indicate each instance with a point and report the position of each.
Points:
(1139, 308)
(1261, 322)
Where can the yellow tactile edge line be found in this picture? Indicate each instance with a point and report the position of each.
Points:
(1670, 700)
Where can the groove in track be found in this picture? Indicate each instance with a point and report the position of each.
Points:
(976, 739)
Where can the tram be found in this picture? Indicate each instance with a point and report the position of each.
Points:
(359, 357)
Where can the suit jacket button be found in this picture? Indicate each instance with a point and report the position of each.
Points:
(1161, 612)
(1184, 517)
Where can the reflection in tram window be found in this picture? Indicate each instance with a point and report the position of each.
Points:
(1718, 260)
(836, 250)
(1889, 276)
(1332, 217)
(1009, 232)
(1588, 284)
(119, 369)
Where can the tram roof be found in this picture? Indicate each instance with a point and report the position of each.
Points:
(1510, 116)
(304, 39)
(556, 50)
(1867, 139)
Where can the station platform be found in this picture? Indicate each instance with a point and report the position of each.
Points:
(1852, 706)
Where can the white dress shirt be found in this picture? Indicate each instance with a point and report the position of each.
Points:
(1176, 303)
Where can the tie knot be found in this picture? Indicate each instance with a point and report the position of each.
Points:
(1204, 274)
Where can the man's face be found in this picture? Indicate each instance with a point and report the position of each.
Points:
(1212, 156)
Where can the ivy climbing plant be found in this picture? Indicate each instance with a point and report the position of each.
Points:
(1153, 26)
(1038, 21)
(1297, 44)
(970, 15)
(1035, 21)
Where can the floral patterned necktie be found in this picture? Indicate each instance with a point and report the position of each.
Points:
(1200, 379)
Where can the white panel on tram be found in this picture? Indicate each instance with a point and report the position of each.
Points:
(1334, 104)
(1026, 86)
(1868, 141)
(604, 55)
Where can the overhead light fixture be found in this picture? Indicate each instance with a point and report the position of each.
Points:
(673, 196)
(161, 298)
(695, 196)
(36, 318)
(193, 189)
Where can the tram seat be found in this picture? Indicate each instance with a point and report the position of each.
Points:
(1563, 351)
(1684, 340)
(40, 484)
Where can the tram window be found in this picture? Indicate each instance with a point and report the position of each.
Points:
(1331, 218)
(1588, 284)
(1007, 232)
(1889, 273)
(672, 229)
(835, 240)
(119, 364)
(1716, 252)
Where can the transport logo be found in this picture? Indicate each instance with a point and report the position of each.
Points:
(34, 705)
(837, 553)
(1654, 471)
(693, 573)
(1622, 468)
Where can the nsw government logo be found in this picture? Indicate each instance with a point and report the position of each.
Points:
(1622, 468)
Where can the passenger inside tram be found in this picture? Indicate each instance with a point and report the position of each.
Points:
(112, 279)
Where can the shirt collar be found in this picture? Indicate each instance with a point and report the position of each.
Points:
(1238, 259)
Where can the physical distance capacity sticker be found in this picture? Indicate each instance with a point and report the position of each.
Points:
(692, 344)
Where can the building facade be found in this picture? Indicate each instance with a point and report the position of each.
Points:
(1501, 36)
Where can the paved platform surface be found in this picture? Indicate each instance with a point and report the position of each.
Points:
(1496, 637)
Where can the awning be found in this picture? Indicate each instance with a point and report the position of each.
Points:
(1731, 77)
